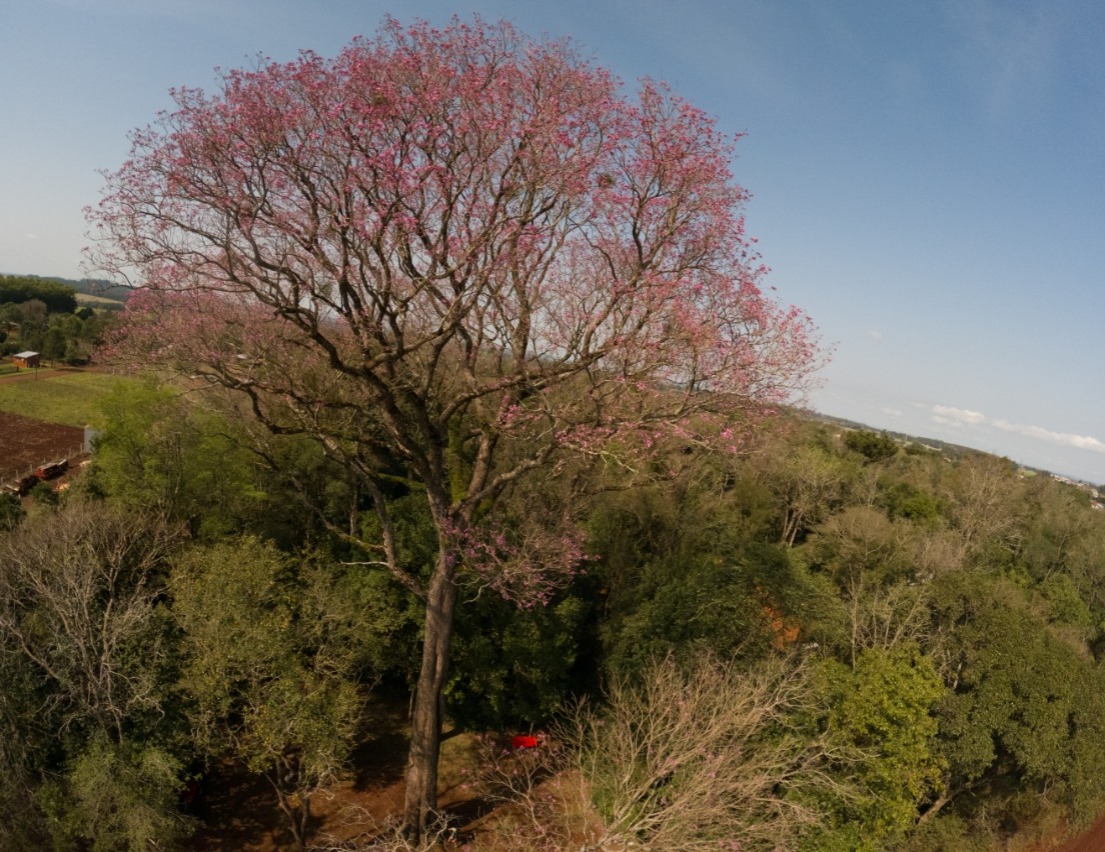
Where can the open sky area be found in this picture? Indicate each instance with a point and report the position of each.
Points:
(927, 178)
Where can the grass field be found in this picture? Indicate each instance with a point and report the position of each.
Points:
(98, 301)
(70, 398)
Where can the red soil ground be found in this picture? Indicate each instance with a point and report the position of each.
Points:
(27, 443)
(238, 810)
(1092, 840)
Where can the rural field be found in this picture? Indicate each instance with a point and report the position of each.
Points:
(42, 418)
(67, 397)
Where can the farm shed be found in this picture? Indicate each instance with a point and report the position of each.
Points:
(26, 359)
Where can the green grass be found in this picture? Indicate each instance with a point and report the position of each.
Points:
(72, 398)
(98, 301)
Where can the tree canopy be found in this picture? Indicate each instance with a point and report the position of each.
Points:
(943, 667)
(58, 298)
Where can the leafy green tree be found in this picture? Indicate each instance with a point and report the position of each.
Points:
(72, 337)
(904, 500)
(1067, 613)
(514, 667)
(32, 317)
(1062, 554)
(158, 452)
(860, 545)
(28, 749)
(43, 495)
(53, 344)
(986, 509)
(873, 563)
(808, 483)
(1025, 707)
(873, 446)
(697, 569)
(884, 707)
(691, 602)
(950, 833)
(11, 510)
(200, 464)
(366, 618)
(270, 686)
(59, 298)
(122, 796)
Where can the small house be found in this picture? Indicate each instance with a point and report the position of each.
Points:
(26, 359)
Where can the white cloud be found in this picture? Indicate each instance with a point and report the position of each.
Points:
(949, 416)
(875, 334)
(1081, 442)
(957, 416)
(893, 412)
(31, 236)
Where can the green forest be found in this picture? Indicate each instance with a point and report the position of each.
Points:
(45, 316)
(830, 641)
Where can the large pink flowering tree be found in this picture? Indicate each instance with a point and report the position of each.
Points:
(465, 251)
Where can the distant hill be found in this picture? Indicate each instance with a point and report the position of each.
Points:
(94, 287)
(101, 293)
(949, 450)
(945, 448)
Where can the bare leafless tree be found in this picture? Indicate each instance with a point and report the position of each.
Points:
(78, 589)
(706, 756)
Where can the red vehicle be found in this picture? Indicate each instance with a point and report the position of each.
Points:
(49, 471)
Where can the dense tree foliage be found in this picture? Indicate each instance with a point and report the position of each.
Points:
(270, 674)
(43, 316)
(938, 665)
(871, 445)
(58, 298)
(90, 682)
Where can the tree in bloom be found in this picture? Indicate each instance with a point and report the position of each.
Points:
(463, 258)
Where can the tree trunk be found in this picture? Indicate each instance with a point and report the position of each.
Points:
(421, 790)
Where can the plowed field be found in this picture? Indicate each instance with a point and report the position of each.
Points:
(27, 443)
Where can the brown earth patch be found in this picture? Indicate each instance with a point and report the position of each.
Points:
(238, 811)
(1092, 840)
(26, 443)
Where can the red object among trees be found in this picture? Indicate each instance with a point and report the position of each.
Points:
(466, 253)
(520, 741)
(52, 469)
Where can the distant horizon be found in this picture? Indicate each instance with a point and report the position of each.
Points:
(959, 441)
(959, 444)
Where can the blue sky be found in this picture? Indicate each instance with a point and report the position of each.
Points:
(928, 179)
